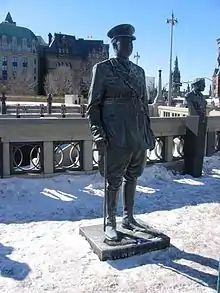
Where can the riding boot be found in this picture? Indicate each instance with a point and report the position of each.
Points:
(128, 194)
(111, 201)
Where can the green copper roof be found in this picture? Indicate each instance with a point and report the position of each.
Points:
(11, 30)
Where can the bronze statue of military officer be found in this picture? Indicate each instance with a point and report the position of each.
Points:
(195, 99)
(120, 125)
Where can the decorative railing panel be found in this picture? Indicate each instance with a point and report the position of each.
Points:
(68, 155)
(157, 154)
(217, 141)
(178, 146)
(26, 157)
(95, 157)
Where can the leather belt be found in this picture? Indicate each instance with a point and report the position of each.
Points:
(117, 100)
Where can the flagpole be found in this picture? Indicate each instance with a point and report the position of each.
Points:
(172, 22)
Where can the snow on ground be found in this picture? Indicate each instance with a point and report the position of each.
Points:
(41, 250)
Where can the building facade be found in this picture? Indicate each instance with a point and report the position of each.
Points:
(18, 58)
(26, 59)
(67, 55)
(216, 75)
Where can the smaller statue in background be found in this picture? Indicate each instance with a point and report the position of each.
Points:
(195, 99)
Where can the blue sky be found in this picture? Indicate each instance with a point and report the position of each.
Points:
(195, 34)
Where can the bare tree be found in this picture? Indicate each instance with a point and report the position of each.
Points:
(59, 81)
(23, 84)
(19, 84)
(65, 80)
(4, 86)
(83, 75)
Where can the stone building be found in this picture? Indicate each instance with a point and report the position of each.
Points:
(216, 75)
(26, 59)
(18, 58)
(76, 55)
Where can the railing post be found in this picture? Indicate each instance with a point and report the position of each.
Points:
(18, 111)
(83, 110)
(48, 156)
(42, 110)
(1, 159)
(194, 145)
(63, 110)
(49, 104)
(3, 106)
(168, 148)
(6, 159)
(210, 143)
(87, 155)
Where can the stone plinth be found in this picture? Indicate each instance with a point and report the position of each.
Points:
(130, 243)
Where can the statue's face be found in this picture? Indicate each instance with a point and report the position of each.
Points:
(201, 86)
(123, 47)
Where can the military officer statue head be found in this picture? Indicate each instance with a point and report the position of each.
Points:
(122, 37)
(198, 85)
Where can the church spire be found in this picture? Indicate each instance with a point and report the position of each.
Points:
(176, 78)
(9, 19)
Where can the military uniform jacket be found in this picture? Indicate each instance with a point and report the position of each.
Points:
(118, 107)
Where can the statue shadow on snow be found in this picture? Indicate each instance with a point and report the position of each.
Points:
(70, 198)
(168, 259)
(10, 268)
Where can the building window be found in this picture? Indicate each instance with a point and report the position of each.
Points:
(35, 70)
(14, 43)
(14, 68)
(4, 41)
(4, 67)
(35, 78)
(4, 59)
(25, 62)
(14, 61)
(24, 43)
(4, 75)
(35, 61)
(33, 46)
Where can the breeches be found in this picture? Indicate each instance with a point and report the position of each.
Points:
(122, 163)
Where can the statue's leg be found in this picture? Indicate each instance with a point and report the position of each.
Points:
(134, 170)
(117, 161)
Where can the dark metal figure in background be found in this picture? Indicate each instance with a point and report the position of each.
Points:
(194, 144)
(49, 103)
(195, 99)
(120, 125)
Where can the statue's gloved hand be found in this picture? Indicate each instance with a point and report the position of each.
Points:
(101, 145)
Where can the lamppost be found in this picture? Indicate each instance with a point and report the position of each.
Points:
(172, 21)
(137, 57)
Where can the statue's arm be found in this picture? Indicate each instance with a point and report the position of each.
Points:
(145, 97)
(95, 96)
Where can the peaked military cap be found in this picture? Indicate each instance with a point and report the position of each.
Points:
(122, 30)
(198, 80)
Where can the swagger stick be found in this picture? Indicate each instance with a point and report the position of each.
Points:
(105, 191)
(218, 278)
